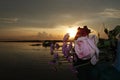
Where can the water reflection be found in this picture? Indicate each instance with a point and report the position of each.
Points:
(24, 62)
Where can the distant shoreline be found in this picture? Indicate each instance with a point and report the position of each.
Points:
(40, 40)
(32, 41)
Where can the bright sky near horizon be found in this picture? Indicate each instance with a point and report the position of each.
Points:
(51, 19)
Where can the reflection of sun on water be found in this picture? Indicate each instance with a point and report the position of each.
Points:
(72, 32)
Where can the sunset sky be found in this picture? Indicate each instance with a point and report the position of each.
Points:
(51, 19)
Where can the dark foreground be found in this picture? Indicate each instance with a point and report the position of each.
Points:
(102, 71)
(27, 71)
(30, 71)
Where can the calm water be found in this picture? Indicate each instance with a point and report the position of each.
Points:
(20, 61)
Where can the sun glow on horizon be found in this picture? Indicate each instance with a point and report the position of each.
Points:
(72, 32)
